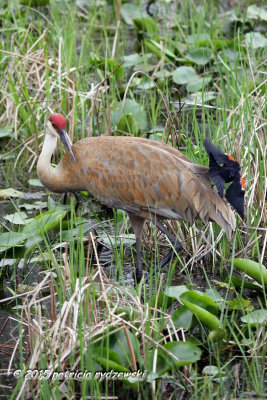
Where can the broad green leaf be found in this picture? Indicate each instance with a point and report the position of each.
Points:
(6, 132)
(108, 359)
(36, 205)
(204, 308)
(110, 365)
(255, 12)
(182, 75)
(146, 84)
(132, 60)
(200, 300)
(18, 218)
(110, 64)
(130, 107)
(11, 239)
(5, 193)
(35, 182)
(255, 318)
(107, 353)
(45, 222)
(185, 352)
(7, 261)
(146, 24)
(211, 370)
(127, 124)
(118, 343)
(176, 291)
(194, 39)
(216, 335)
(214, 295)
(162, 74)
(255, 39)
(129, 12)
(253, 269)
(198, 84)
(204, 316)
(200, 98)
(126, 240)
(31, 243)
(5, 157)
(238, 283)
(200, 56)
(69, 234)
(182, 318)
(159, 50)
(160, 299)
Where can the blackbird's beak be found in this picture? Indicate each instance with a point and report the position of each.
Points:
(66, 141)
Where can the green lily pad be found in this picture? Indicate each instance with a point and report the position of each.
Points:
(182, 75)
(43, 223)
(198, 84)
(130, 107)
(129, 12)
(37, 205)
(200, 56)
(132, 60)
(210, 370)
(184, 353)
(255, 318)
(204, 308)
(255, 39)
(11, 239)
(200, 98)
(10, 192)
(253, 269)
(182, 318)
(35, 182)
(126, 240)
(255, 12)
(18, 218)
(110, 64)
(6, 132)
(146, 24)
(127, 124)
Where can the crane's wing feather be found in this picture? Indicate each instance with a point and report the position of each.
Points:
(134, 175)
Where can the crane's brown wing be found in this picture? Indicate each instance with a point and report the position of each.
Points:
(136, 176)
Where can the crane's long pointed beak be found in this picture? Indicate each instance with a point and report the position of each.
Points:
(66, 141)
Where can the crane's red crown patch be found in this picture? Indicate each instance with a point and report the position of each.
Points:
(58, 121)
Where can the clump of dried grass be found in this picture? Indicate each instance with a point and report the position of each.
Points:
(24, 102)
(45, 335)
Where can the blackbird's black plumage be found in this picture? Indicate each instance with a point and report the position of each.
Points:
(224, 169)
(235, 196)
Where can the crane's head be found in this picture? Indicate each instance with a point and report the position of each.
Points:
(56, 127)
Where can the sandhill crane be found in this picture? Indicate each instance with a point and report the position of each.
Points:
(146, 178)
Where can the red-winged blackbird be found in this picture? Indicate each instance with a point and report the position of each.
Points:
(224, 169)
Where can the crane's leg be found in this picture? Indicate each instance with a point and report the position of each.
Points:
(137, 223)
(173, 239)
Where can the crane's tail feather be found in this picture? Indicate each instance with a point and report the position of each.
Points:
(209, 206)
